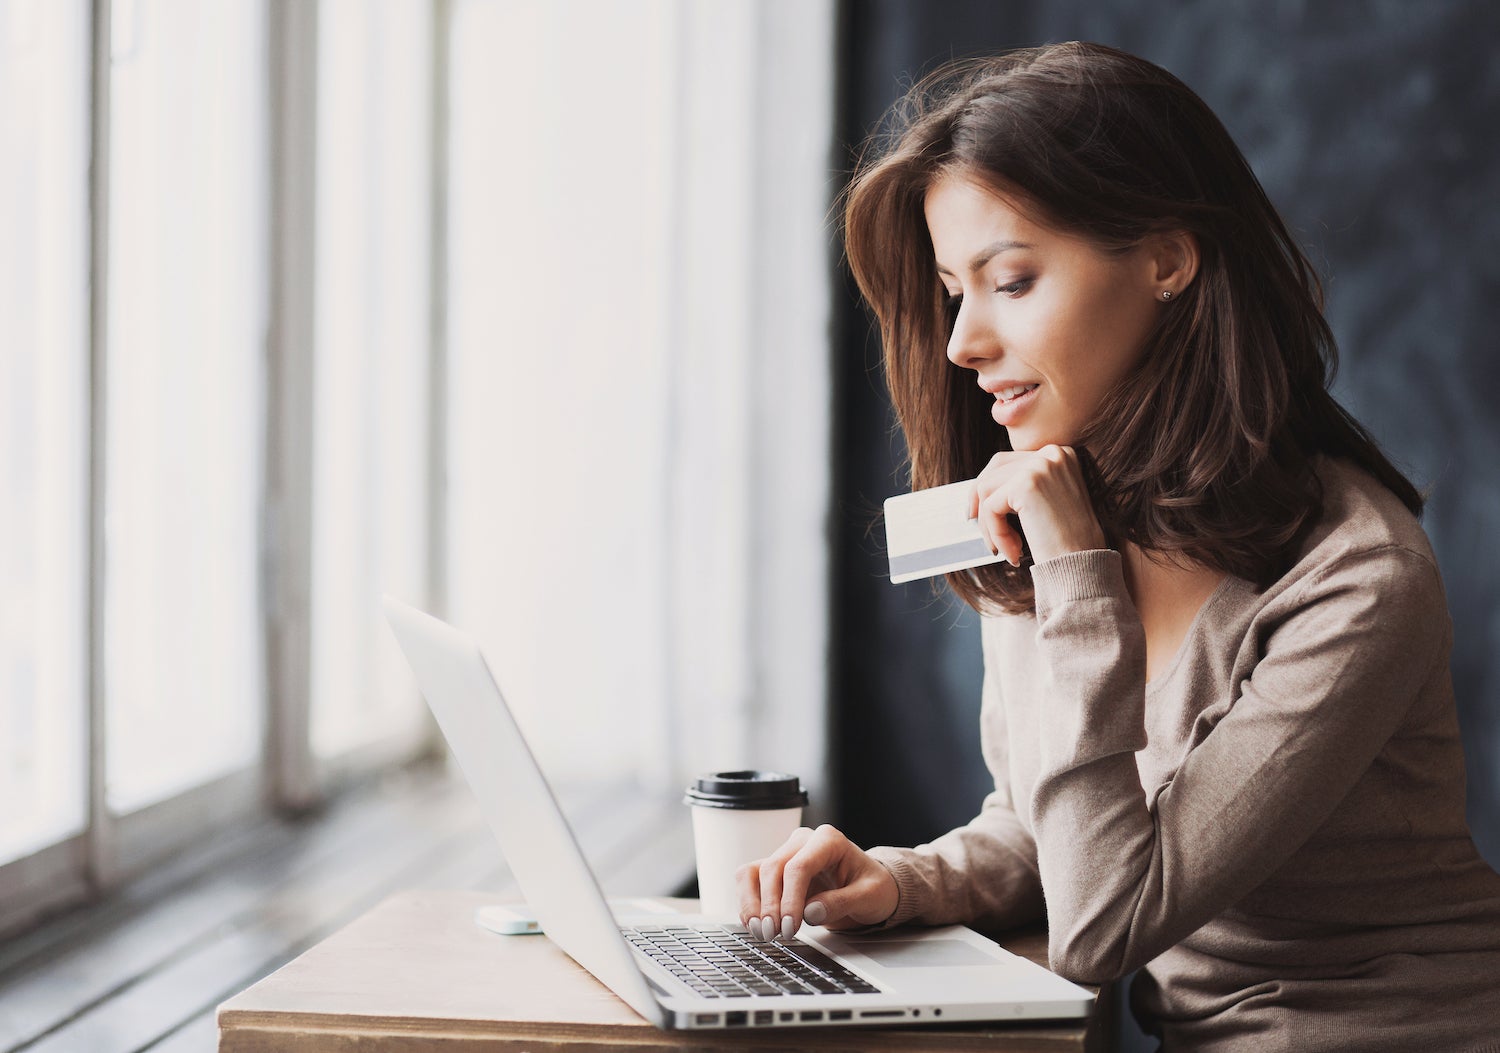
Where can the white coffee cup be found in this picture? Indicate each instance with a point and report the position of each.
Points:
(739, 816)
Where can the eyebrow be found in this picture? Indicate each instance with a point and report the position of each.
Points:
(988, 253)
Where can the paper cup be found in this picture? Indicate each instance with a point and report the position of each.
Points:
(739, 816)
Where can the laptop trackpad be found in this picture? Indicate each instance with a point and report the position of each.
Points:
(908, 954)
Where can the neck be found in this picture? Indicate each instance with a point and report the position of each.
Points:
(1153, 578)
(1168, 595)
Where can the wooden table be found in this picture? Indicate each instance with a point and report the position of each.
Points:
(417, 974)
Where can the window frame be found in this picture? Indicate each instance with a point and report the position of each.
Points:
(298, 779)
(285, 778)
(779, 715)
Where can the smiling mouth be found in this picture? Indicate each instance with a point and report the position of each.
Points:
(1011, 394)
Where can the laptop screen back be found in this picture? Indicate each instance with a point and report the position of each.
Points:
(517, 802)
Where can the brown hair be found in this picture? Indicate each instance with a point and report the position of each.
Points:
(1204, 452)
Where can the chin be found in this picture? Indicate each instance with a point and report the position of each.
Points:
(1025, 440)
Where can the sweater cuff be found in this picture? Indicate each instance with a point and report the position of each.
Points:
(908, 886)
(1097, 573)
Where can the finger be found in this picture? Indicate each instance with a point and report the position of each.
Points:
(1000, 466)
(840, 908)
(747, 882)
(996, 515)
(770, 900)
(977, 513)
(820, 858)
(830, 909)
(869, 899)
(815, 912)
(771, 879)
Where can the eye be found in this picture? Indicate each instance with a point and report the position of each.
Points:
(1016, 288)
(951, 303)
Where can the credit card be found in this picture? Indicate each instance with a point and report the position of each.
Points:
(929, 532)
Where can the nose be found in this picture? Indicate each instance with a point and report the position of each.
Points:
(972, 342)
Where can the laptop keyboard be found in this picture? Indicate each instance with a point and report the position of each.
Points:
(721, 963)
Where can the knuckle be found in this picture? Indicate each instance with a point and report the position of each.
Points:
(797, 869)
(825, 836)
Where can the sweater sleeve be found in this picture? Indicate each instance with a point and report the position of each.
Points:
(985, 872)
(1125, 880)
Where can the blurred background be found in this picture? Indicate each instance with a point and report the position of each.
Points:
(532, 313)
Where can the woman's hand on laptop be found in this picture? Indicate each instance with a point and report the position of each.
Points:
(818, 876)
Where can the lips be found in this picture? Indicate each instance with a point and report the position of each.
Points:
(1011, 401)
(1013, 392)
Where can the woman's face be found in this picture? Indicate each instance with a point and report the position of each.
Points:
(1047, 320)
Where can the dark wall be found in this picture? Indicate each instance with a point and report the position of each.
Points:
(1371, 127)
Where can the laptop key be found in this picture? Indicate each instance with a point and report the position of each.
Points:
(732, 966)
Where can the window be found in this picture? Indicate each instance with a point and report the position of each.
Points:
(638, 375)
(144, 419)
(370, 499)
(187, 207)
(560, 258)
(520, 303)
(44, 413)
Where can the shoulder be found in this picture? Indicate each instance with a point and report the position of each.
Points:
(1361, 514)
(1367, 558)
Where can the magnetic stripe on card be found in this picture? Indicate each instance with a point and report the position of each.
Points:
(917, 562)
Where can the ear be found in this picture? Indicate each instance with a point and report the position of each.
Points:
(1174, 260)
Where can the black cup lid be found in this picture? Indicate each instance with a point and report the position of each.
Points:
(747, 789)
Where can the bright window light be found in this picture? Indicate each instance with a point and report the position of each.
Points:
(370, 419)
(44, 421)
(560, 220)
(185, 411)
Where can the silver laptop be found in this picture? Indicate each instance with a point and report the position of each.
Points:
(687, 971)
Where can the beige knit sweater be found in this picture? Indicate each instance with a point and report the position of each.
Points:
(1273, 827)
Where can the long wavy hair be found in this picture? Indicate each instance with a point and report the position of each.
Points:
(1204, 452)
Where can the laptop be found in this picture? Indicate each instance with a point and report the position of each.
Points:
(686, 971)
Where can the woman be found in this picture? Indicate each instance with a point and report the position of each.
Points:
(1217, 704)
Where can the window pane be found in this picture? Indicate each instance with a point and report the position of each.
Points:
(183, 471)
(44, 140)
(560, 403)
(371, 371)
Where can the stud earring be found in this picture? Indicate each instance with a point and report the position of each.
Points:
(1166, 294)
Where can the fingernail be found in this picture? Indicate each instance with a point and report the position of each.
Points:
(815, 914)
(768, 928)
(754, 926)
(786, 927)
